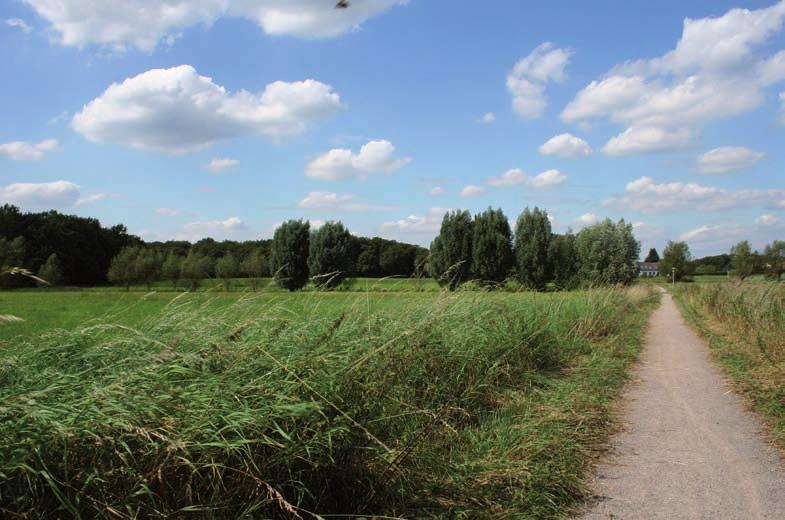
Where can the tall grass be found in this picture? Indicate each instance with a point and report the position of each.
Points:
(457, 405)
(746, 326)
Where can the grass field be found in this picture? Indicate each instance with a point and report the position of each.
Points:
(259, 405)
(744, 324)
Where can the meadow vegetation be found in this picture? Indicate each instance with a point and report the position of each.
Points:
(745, 324)
(231, 405)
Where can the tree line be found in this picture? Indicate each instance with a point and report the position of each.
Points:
(484, 249)
(72, 250)
(741, 261)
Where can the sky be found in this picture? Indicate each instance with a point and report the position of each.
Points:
(185, 119)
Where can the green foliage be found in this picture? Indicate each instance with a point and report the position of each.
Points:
(563, 255)
(676, 255)
(84, 247)
(774, 260)
(218, 406)
(194, 268)
(608, 253)
(653, 256)
(171, 268)
(743, 261)
(148, 266)
(532, 247)
(492, 255)
(227, 268)
(289, 254)
(255, 266)
(51, 271)
(123, 269)
(451, 252)
(12, 254)
(328, 258)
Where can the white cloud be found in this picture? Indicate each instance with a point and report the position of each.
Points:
(472, 191)
(19, 24)
(728, 159)
(212, 226)
(177, 110)
(566, 145)
(517, 176)
(144, 23)
(511, 177)
(546, 179)
(57, 194)
(488, 117)
(717, 70)
(526, 81)
(341, 163)
(329, 201)
(28, 151)
(419, 229)
(436, 190)
(62, 116)
(697, 232)
(167, 212)
(645, 195)
(766, 219)
(219, 164)
(90, 199)
(640, 139)
(587, 219)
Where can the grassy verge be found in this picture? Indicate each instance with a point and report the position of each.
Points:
(464, 405)
(745, 328)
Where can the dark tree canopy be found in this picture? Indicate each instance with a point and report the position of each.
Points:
(492, 255)
(653, 256)
(607, 253)
(289, 254)
(532, 248)
(328, 259)
(451, 251)
(563, 256)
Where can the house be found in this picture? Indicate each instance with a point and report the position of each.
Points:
(648, 269)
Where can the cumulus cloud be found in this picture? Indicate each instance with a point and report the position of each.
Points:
(219, 164)
(645, 195)
(436, 190)
(587, 219)
(718, 69)
(341, 163)
(167, 212)
(566, 145)
(212, 226)
(488, 117)
(728, 159)
(516, 176)
(90, 199)
(767, 219)
(145, 23)
(429, 223)
(177, 110)
(472, 190)
(57, 194)
(329, 201)
(19, 24)
(28, 151)
(527, 80)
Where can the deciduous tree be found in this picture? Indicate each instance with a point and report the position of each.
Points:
(451, 252)
(676, 255)
(289, 254)
(492, 256)
(532, 246)
(328, 259)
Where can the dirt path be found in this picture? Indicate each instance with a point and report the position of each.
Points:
(689, 449)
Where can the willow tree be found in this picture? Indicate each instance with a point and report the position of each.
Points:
(451, 251)
(329, 260)
(492, 255)
(289, 254)
(532, 248)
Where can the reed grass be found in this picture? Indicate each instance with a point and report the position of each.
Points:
(465, 405)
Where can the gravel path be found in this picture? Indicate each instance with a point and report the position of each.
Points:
(689, 449)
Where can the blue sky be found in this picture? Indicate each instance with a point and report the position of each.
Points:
(191, 119)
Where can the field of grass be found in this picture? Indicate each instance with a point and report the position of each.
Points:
(745, 327)
(254, 405)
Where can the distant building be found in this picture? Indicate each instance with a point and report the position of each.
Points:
(648, 269)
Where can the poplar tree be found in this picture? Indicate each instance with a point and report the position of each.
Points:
(532, 247)
(329, 261)
(492, 255)
(451, 252)
(227, 268)
(289, 254)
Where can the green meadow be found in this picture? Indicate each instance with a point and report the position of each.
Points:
(240, 404)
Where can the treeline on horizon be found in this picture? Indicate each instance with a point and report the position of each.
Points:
(79, 251)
